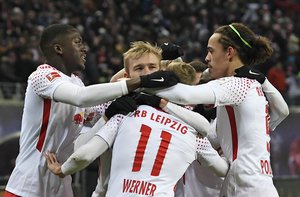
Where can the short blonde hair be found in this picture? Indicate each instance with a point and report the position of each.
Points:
(138, 49)
(184, 71)
(164, 63)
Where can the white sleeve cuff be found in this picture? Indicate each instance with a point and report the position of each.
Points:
(124, 87)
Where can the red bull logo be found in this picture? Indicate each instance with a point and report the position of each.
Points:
(78, 118)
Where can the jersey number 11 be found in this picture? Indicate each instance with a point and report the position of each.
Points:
(161, 153)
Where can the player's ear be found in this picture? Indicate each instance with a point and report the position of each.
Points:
(58, 49)
(231, 52)
(126, 75)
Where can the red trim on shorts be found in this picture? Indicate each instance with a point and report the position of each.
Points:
(9, 194)
(46, 115)
(234, 135)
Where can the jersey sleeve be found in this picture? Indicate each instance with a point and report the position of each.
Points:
(186, 94)
(45, 80)
(110, 130)
(230, 90)
(93, 114)
(279, 108)
(209, 157)
(196, 120)
(88, 133)
(212, 135)
(85, 155)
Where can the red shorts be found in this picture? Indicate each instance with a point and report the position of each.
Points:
(8, 194)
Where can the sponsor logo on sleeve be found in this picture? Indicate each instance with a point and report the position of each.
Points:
(53, 75)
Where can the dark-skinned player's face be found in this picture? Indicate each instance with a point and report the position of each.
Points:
(74, 52)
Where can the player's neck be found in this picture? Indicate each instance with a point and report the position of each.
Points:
(233, 66)
(59, 65)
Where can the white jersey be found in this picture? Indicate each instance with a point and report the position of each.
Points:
(151, 151)
(198, 181)
(46, 126)
(243, 132)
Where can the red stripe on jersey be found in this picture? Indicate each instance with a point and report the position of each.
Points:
(9, 194)
(267, 120)
(268, 127)
(46, 115)
(234, 136)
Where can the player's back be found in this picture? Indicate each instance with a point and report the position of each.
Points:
(151, 152)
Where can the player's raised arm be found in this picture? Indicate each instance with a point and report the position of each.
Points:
(196, 120)
(100, 93)
(186, 94)
(89, 95)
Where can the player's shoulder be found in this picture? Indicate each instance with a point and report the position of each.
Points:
(234, 80)
(47, 72)
(233, 90)
(234, 83)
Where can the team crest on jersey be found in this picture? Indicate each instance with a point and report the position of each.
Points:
(53, 75)
(78, 118)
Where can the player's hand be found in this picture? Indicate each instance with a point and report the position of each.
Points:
(246, 71)
(159, 79)
(147, 99)
(122, 105)
(53, 165)
(171, 51)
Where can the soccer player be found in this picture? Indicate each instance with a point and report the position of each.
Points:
(142, 58)
(54, 111)
(148, 149)
(198, 181)
(243, 121)
(93, 149)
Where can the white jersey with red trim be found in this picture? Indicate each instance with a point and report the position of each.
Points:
(198, 181)
(46, 126)
(243, 132)
(151, 152)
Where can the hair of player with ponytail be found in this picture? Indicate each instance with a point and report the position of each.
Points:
(251, 48)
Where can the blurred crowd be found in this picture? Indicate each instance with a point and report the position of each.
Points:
(108, 27)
